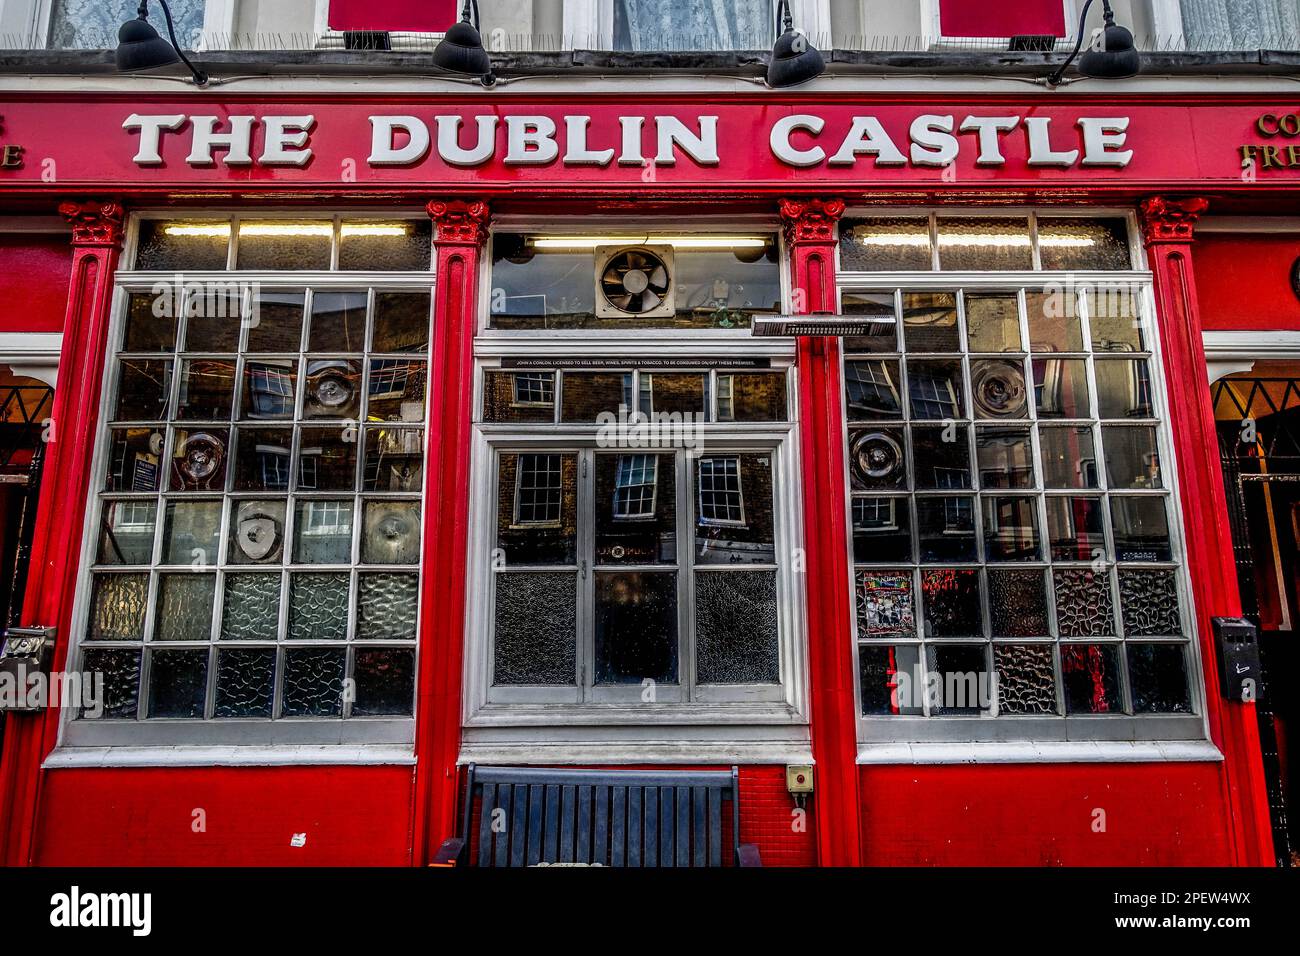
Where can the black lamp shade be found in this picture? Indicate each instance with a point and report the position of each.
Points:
(1115, 60)
(139, 47)
(461, 51)
(794, 60)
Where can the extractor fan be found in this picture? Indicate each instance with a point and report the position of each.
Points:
(635, 282)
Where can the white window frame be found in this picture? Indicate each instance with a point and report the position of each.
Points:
(905, 738)
(933, 36)
(218, 22)
(589, 24)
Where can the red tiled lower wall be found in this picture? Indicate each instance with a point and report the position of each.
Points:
(767, 819)
(1019, 815)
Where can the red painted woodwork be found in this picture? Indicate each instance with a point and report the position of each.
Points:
(1168, 226)
(979, 18)
(352, 816)
(51, 582)
(460, 231)
(417, 16)
(1044, 815)
(34, 269)
(810, 236)
(1243, 281)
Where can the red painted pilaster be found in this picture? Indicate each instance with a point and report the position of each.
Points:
(1168, 227)
(460, 231)
(810, 235)
(52, 579)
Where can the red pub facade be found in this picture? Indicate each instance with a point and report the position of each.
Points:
(401, 425)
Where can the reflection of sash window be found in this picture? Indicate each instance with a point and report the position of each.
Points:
(274, 463)
(388, 378)
(875, 514)
(271, 389)
(721, 499)
(534, 388)
(932, 395)
(726, 403)
(327, 518)
(634, 486)
(870, 387)
(538, 490)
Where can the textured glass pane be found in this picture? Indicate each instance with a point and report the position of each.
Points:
(636, 509)
(391, 533)
(167, 245)
(993, 323)
(251, 607)
(979, 244)
(1061, 388)
(1132, 459)
(338, 321)
(537, 508)
(256, 532)
(1011, 529)
(653, 25)
(245, 683)
(327, 458)
(385, 682)
(1149, 602)
(126, 536)
(333, 389)
(1054, 322)
(1005, 456)
(735, 519)
(318, 607)
(636, 627)
(394, 459)
(134, 455)
(755, 397)
(1026, 678)
(1141, 528)
(736, 640)
(386, 606)
(143, 390)
(930, 322)
(402, 321)
(588, 395)
(1157, 676)
(207, 390)
(262, 459)
(519, 397)
(1114, 319)
(1090, 676)
(313, 682)
(535, 640)
(666, 394)
(322, 532)
(1123, 388)
(998, 388)
(877, 460)
(885, 245)
(1069, 460)
(396, 391)
(965, 678)
(941, 456)
(270, 387)
(191, 532)
(284, 244)
(178, 683)
(881, 530)
(952, 603)
(885, 606)
(401, 245)
(934, 389)
(185, 607)
(946, 529)
(1075, 529)
(889, 678)
(871, 390)
(882, 335)
(117, 607)
(120, 669)
(276, 321)
(1018, 603)
(1084, 607)
(1083, 243)
(199, 458)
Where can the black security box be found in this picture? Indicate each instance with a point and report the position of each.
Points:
(1236, 640)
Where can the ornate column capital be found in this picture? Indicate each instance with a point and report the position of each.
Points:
(460, 220)
(94, 222)
(1171, 220)
(810, 220)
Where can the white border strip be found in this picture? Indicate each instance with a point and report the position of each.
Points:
(279, 756)
(1081, 751)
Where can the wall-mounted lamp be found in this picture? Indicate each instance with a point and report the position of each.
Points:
(794, 60)
(461, 48)
(139, 47)
(1112, 57)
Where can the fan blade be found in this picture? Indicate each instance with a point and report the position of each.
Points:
(659, 277)
(655, 301)
(623, 301)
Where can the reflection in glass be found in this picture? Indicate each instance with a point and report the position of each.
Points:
(338, 321)
(333, 389)
(1114, 319)
(275, 323)
(1141, 528)
(391, 532)
(322, 532)
(396, 392)
(993, 323)
(636, 509)
(191, 532)
(930, 322)
(871, 389)
(126, 532)
(735, 521)
(143, 390)
(941, 456)
(998, 388)
(178, 683)
(1075, 528)
(1005, 457)
(881, 530)
(394, 459)
(270, 387)
(636, 627)
(1054, 322)
(147, 330)
(945, 528)
(207, 390)
(256, 532)
(1069, 460)
(878, 676)
(1090, 674)
(199, 459)
(327, 458)
(1010, 529)
(1132, 460)
(1061, 388)
(262, 459)
(402, 321)
(751, 397)
(876, 459)
(952, 603)
(537, 508)
(934, 389)
(1123, 388)
(882, 335)
(519, 396)
(663, 394)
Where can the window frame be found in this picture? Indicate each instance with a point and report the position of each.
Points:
(589, 24)
(143, 733)
(875, 731)
(218, 22)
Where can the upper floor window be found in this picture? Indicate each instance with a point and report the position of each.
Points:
(93, 24)
(693, 24)
(1225, 25)
(1034, 24)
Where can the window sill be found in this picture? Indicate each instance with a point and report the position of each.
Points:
(614, 752)
(1078, 751)
(264, 756)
